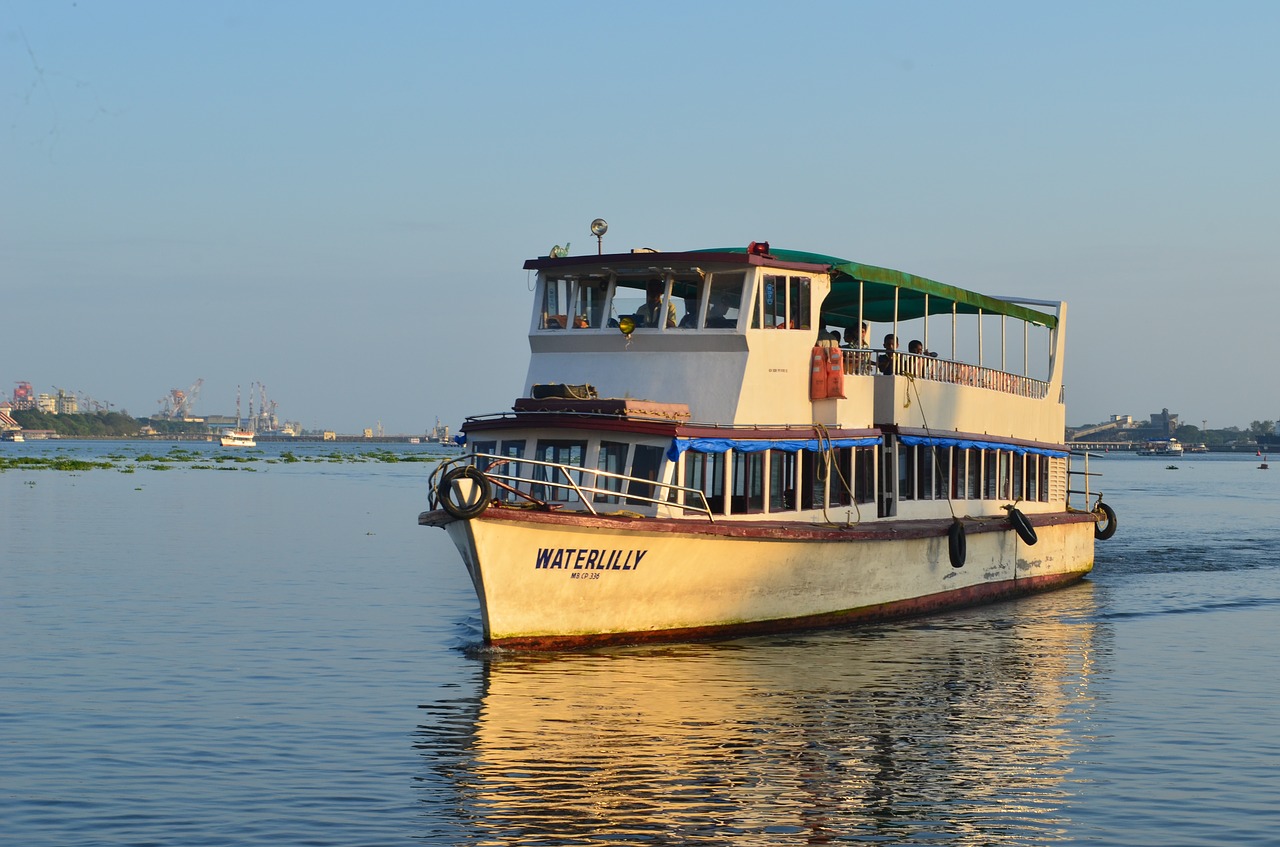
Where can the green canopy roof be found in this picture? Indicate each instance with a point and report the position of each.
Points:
(878, 287)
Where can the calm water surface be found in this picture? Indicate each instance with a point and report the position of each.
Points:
(272, 652)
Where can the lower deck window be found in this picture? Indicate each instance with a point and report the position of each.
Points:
(748, 483)
(782, 481)
(705, 471)
(613, 459)
(645, 465)
(560, 452)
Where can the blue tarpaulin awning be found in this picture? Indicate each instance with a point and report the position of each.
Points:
(740, 445)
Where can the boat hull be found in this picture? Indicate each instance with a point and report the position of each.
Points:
(553, 581)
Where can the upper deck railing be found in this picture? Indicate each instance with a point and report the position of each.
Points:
(863, 361)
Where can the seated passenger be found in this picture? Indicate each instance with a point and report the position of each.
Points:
(716, 319)
(651, 312)
(690, 319)
(885, 360)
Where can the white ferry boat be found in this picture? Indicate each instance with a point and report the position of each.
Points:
(694, 456)
(1168, 447)
(239, 438)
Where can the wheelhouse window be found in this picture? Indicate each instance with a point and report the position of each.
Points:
(645, 299)
(557, 302)
(782, 303)
(724, 300)
(588, 310)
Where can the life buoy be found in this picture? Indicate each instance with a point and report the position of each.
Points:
(956, 544)
(464, 506)
(1022, 526)
(1105, 525)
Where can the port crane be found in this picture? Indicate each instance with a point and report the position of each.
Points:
(177, 406)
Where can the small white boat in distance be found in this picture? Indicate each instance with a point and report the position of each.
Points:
(1162, 447)
(238, 438)
(697, 453)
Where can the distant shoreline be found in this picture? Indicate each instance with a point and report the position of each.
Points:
(261, 439)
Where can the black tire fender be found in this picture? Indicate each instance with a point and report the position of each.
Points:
(1105, 526)
(1022, 526)
(453, 503)
(957, 547)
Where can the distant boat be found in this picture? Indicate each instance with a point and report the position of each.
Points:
(1162, 447)
(438, 434)
(12, 435)
(238, 438)
(241, 436)
(1264, 466)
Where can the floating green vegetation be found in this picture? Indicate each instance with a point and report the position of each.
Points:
(53, 463)
(183, 458)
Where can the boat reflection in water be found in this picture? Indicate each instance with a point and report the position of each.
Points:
(960, 727)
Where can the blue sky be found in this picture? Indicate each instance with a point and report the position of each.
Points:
(335, 199)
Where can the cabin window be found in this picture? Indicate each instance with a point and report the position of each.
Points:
(924, 471)
(906, 472)
(645, 465)
(864, 474)
(486, 447)
(782, 481)
(1006, 473)
(1019, 480)
(612, 459)
(705, 471)
(989, 474)
(748, 483)
(819, 478)
(560, 452)
(1044, 479)
(513, 450)
(973, 460)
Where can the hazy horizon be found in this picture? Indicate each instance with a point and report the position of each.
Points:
(335, 200)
